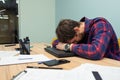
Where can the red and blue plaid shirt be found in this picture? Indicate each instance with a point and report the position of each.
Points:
(100, 40)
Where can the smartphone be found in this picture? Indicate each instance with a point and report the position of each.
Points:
(56, 62)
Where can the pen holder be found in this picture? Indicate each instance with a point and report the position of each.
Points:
(24, 51)
(25, 46)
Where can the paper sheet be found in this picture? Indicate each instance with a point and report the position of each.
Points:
(106, 72)
(47, 74)
(83, 72)
(23, 59)
(8, 53)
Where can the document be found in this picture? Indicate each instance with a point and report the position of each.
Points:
(8, 53)
(105, 72)
(83, 72)
(47, 74)
(23, 59)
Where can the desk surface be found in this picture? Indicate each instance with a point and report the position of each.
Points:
(7, 72)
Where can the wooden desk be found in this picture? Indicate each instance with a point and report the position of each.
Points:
(7, 72)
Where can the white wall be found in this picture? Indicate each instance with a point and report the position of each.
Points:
(37, 20)
(76, 9)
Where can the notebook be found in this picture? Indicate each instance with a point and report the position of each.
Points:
(59, 53)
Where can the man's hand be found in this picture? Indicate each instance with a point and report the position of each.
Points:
(60, 46)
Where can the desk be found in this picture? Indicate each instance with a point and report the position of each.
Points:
(7, 72)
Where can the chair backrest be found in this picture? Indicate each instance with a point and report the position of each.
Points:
(53, 39)
(119, 42)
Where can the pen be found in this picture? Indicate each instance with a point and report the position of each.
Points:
(42, 67)
(7, 45)
(19, 75)
(24, 58)
(96, 75)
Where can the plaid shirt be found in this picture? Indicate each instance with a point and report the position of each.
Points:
(100, 40)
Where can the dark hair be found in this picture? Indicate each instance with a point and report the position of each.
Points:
(65, 30)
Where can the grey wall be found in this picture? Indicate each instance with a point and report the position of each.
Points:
(76, 9)
(37, 19)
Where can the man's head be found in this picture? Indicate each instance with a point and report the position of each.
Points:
(69, 31)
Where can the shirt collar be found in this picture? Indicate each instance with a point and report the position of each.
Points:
(88, 22)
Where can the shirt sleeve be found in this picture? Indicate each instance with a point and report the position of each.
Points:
(99, 42)
(55, 42)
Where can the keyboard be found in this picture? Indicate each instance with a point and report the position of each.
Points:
(59, 53)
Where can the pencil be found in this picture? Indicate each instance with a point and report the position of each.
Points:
(42, 67)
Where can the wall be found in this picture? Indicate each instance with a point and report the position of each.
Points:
(76, 9)
(37, 20)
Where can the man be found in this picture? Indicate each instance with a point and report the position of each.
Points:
(89, 38)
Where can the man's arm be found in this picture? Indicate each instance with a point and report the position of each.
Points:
(98, 47)
(55, 42)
